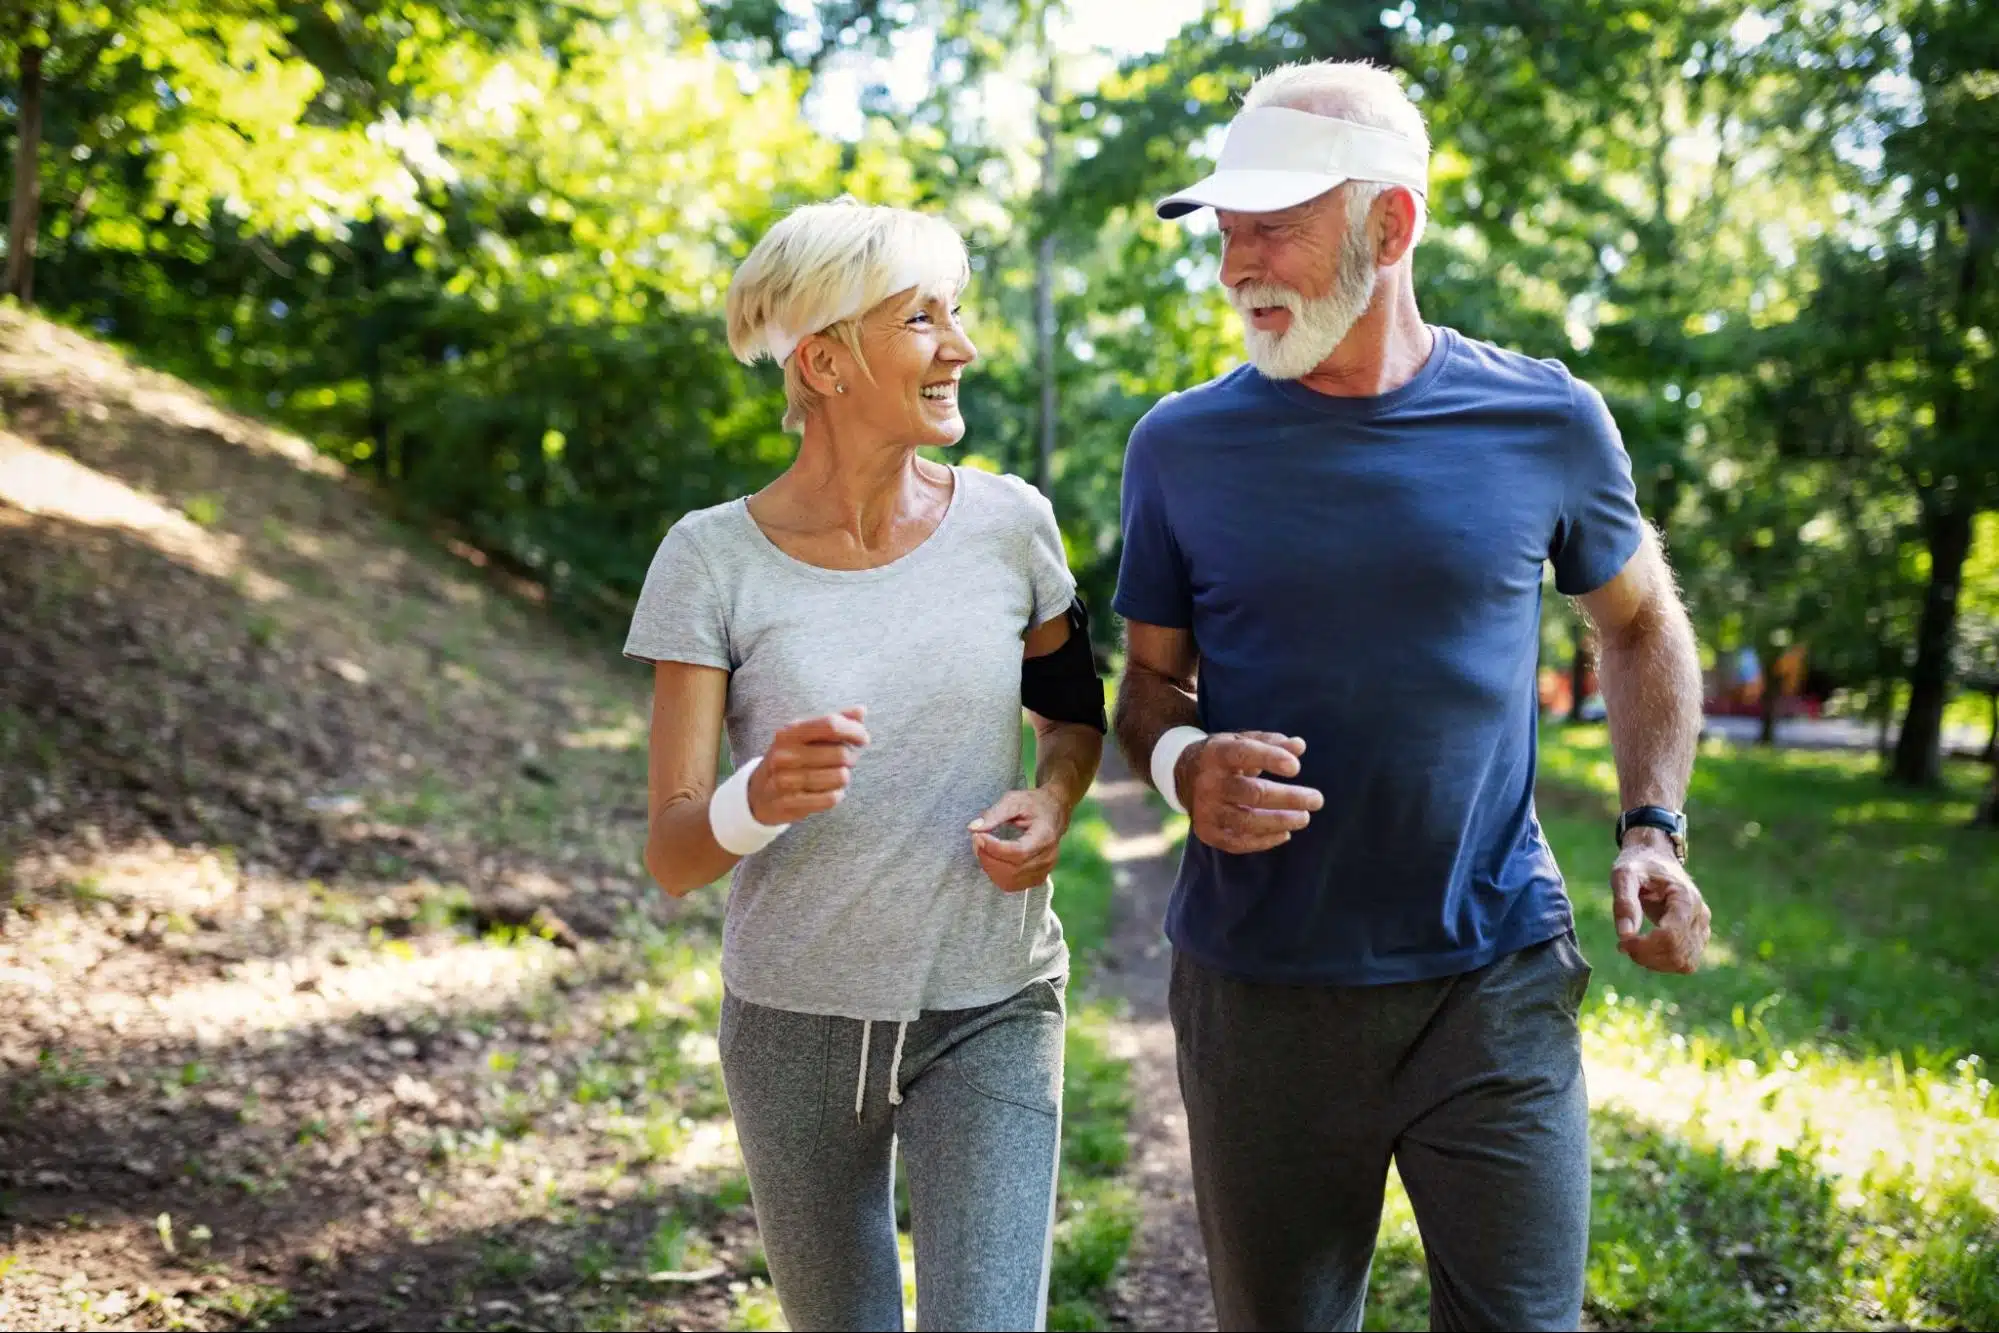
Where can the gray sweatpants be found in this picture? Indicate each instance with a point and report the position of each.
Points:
(974, 1096)
(1298, 1096)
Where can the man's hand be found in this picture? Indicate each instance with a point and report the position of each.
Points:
(1649, 878)
(1231, 807)
(807, 767)
(1020, 862)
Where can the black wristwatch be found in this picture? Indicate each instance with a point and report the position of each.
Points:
(1671, 822)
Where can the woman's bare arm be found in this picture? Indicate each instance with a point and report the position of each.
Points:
(681, 759)
(804, 772)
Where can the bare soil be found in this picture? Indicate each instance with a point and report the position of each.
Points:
(1165, 1280)
(330, 994)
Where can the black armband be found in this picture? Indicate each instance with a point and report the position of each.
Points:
(1063, 686)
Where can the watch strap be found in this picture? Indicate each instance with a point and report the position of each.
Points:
(1670, 822)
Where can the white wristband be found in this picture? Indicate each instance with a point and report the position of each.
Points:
(1166, 756)
(729, 817)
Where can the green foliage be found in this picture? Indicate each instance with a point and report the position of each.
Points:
(478, 248)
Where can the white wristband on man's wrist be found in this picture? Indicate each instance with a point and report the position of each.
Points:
(729, 817)
(1166, 757)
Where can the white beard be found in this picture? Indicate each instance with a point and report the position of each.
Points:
(1318, 324)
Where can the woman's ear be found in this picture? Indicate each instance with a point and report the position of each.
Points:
(819, 366)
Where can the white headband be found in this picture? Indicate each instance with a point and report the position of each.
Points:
(856, 299)
(1277, 158)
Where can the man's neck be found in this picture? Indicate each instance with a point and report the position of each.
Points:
(1383, 351)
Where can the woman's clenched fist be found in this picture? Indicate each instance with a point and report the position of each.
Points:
(807, 767)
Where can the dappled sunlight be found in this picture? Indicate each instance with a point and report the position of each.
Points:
(1886, 810)
(627, 733)
(43, 482)
(1794, 1191)
(290, 993)
(1804, 1132)
(563, 1112)
(88, 966)
(154, 874)
(1856, 1117)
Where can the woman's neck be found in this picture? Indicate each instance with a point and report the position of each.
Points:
(848, 496)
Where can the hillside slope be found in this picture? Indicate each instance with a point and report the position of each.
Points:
(332, 993)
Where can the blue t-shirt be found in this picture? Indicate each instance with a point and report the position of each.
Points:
(1365, 573)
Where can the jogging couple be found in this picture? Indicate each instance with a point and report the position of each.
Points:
(1331, 578)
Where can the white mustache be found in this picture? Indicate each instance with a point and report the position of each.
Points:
(1250, 295)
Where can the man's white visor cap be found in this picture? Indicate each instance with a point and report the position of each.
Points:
(1277, 158)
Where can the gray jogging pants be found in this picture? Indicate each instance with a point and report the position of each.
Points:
(1298, 1097)
(973, 1096)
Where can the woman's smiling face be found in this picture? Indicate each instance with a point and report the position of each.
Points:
(916, 350)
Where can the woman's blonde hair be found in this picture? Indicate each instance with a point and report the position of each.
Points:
(824, 266)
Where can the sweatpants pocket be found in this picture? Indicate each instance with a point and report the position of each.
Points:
(1017, 1060)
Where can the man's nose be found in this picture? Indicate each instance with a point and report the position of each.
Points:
(1239, 262)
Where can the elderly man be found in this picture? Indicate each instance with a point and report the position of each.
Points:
(1332, 576)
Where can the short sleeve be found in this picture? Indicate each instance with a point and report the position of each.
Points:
(1152, 582)
(680, 616)
(1600, 526)
(1047, 564)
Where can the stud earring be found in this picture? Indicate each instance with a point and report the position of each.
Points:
(839, 388)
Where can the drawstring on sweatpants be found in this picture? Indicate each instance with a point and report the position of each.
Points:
(861, 1083)
(894, 1068)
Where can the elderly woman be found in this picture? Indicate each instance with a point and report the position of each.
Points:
(869, 626)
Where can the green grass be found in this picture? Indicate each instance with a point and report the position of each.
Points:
(1083, 884)
(1096, 1211)
(1805, 1134)
(1850, 916)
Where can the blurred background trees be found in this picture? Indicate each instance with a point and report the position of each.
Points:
(477, 248)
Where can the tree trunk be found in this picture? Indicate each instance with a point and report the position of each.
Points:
(369, 335)
(1881, 700)
(24, 219)
(1991, 754)
(1918, 751)
(1988, 809)
(1579, 667)
(1044, 277)
(1768, 703)
(1947, 529)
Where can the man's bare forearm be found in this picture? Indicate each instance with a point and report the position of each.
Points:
(1065, 760)
(1148, 706)
(1651, 678)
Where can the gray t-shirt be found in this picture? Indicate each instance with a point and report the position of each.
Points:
(876, 908)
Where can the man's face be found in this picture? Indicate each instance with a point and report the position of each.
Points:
(1299, 278)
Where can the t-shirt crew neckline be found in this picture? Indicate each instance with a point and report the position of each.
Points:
(901, 564)
(1442, 343)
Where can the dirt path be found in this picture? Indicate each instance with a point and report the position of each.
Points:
(1165, 1283)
